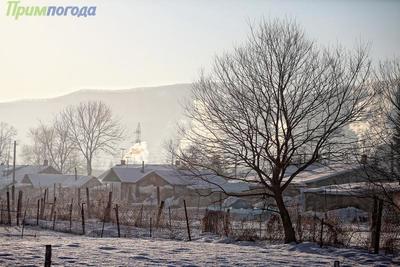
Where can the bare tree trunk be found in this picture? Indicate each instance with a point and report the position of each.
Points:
(290, 235)
(89, 167)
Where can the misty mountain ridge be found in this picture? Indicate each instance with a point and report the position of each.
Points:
(158, 110)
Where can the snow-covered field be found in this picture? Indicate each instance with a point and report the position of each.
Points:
(208, 250)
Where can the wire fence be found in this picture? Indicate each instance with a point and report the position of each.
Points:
(100, 215)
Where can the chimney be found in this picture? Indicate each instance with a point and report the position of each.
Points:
(364, 159)
(46, 163)
(142, 166)
(123, 162)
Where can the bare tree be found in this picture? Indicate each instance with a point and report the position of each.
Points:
(51, 142)
(381, 138)
(92, 128)
(34, 153)
(7, 134)
(275, 97)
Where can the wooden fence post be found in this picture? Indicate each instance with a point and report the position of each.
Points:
(43, 206)
(140, 216)
(377, 222)
(227, 224)
(187, 221)
(299, 228)
(151, 226)
(158, 196)
(169, 215)
(54, 220)
(1, 214)
(314, 228)
(321, 234)
(38, 212)
(47, 260)
(87, 202)
(104, 220)
(53, 208)
(117, 217)
(23, 224)
(70, 215)
(83, 219)
(109, 205)
(159, 214)
(8, 208)
(19, 204)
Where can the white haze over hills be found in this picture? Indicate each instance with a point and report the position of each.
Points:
(158, 109)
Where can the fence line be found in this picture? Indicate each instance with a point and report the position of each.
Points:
(102, 215)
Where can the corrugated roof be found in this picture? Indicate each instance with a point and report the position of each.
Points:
(49, 180)
(324, 172)
(133, 173)
(173, 176)
(21, 171)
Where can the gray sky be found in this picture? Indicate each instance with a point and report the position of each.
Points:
(142, 43)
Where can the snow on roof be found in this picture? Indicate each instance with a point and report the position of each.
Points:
(134, 173)
(216, 183)
(173, 176)
(354, 188)
(21, 171)
(313, 168)
(315, 174)
(49, 180)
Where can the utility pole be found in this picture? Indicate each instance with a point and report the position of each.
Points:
(13, 175)
(138, 133)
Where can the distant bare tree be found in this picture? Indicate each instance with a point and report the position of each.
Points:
(7, 134)
(271, 99)
(51, 142)
(170, 147)
(35, 152)
(382, 135)
(92, 128)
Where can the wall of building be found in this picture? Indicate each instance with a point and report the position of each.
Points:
(321, 202)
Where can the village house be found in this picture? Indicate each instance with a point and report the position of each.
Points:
(153, 183)
(64, 186)
(6, 177)
(338, 186)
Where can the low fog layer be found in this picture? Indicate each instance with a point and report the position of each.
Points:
(157, 109)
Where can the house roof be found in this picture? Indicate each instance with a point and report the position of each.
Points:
(360, 188)
(133, 173)
(49, 180)
(323, 172)
(21, 171)
(173, 176)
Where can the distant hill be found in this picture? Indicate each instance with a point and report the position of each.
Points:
(158, 109)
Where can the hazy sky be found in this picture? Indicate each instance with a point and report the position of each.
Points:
(142, 43)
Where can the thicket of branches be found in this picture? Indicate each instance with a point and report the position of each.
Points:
(381, 135)
(263, 104)
(74, 137)
(7, 136)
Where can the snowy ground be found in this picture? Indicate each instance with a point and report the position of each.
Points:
(73, 250)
